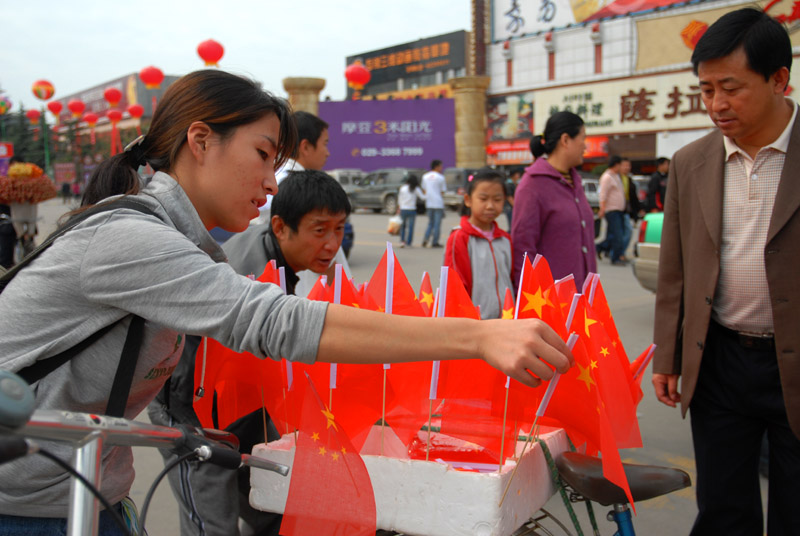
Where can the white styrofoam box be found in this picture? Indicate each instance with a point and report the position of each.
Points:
(430, 498)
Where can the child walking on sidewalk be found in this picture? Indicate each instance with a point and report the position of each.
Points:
(478, 249)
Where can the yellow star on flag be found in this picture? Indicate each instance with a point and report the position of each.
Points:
(335, 456)
(593, 364)
(329, 416)
(508, 314)
(322, 451)
(315, 436)
(604, 351)
(534, 301)
(585, 377)
(344, 450)
(427, 299)
(354, 304)
(588, 322)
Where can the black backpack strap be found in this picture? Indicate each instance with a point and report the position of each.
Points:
(43, 367)
(123, 378)
(121, 387)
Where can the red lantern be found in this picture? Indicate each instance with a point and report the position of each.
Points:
(210, 52)
(55, 107)
(33, 116)
(114, 116)
(113, 96)
(152, 77)
(136, 110)
(76, 107)
(43, 89)
(357, 75)
(91, 119)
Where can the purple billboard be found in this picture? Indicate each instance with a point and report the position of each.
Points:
(377, 134)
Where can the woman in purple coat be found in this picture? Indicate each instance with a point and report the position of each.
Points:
(551, 214)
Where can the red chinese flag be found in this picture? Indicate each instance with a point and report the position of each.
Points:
(508, 306)
(565, 290)
(637, 368)
(404, 300)
(537, 296)
(330, 492)
(319, 292)
(426, 295)
(602, 310)
(270, 273)
(614, 379)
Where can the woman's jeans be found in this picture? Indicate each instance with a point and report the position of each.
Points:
(407, 229)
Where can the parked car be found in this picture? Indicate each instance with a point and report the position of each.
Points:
(348, 178)
(457, 182)
(591, 188)
(646, 250)
(378, 189)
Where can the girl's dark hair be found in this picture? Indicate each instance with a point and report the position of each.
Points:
(222, 100)
(559, 123)
(413, 182)
(486, 174)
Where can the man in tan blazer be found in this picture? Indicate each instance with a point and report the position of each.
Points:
(727, 321)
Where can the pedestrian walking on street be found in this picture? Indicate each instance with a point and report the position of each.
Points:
(434, 186)
(407, 199)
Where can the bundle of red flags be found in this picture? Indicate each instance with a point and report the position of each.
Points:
(595, 401)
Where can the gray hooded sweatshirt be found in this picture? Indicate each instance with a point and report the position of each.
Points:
(169, 271)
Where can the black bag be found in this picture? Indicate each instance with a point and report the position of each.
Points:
(123, 378)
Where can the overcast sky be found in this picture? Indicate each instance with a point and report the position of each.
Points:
(76, 44)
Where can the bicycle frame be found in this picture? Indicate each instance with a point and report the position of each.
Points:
(90, 433)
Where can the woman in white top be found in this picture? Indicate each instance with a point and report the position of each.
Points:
(408, 195)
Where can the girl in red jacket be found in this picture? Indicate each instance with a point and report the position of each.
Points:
(478, 249)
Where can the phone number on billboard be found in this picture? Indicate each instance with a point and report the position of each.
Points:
(391, 151)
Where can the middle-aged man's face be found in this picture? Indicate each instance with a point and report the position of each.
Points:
(739, 101)
(625, 167)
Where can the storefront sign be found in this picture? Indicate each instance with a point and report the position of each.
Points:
(411, 60)
(370, 135)
(664, 102)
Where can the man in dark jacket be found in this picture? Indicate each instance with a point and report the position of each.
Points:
(657, 190)
(305, 232)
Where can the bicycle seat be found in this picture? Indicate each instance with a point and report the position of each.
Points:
(585, 475)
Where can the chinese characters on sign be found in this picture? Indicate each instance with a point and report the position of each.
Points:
(369, 135)
(583, 105)
(410, 56)
(515, 20)
(646, 104)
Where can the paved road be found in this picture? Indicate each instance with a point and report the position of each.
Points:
(665, 435)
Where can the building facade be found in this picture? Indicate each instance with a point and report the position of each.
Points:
(625, 70)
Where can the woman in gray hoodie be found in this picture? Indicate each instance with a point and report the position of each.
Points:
(214, 142)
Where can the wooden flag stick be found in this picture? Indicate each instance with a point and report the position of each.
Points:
(264, 414)
(286, 411)
(503, 432)
(383, 411)
(430, 417)
(519, 460)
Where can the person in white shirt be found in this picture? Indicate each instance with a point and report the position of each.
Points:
(407, 202)
(433, 184)
(312, 153)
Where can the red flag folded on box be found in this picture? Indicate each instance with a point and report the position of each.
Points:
(330, 492)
